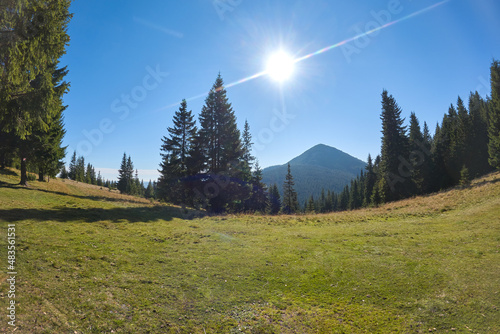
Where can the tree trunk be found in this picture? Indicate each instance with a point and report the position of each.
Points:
(24, 176)
(41, 175)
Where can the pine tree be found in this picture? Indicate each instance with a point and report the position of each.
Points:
(494, 116)
(394, 149)
(290, 203)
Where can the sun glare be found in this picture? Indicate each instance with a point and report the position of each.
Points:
(280, 66)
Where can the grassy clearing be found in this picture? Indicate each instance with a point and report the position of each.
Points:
(91, 261)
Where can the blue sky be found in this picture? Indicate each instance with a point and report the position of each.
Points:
(131, 62)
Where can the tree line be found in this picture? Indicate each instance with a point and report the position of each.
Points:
(86, 173)
(33, 37)
(128, 178)
(465, 145)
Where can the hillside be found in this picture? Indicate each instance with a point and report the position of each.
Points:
(319, 167)
(91, 261)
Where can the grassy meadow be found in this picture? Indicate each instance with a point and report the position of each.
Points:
(94, 261)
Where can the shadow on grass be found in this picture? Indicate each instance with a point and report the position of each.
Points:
(8, 172)
(92, 198)
(92, 215)
(482, 183)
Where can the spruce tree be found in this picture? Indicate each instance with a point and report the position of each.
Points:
(99, 180)
(176, 151)
(47, 145)
(219, 143)
(123, 175)
(247, 149)
(88, 174)
(274, 201)
(290, 202)
(220, 137)
(131, 184)
(427, 165)
(34, 37)
(461, 137)
(494, 116)
(80, 169)
(418, 156)
(370, 180)
(322, 201)
(258, 198)
(72, 167)
(478, 154)
(464, 176)
(394, 150)
(149, 191)
(309, 205)
(64, 173)
(343, 201)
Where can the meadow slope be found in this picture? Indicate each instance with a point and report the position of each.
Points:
(93, 261)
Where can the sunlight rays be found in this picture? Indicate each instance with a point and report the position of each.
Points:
(323, 50)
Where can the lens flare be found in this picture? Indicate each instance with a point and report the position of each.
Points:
(323, 50)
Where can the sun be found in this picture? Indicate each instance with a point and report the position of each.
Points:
(280, 66)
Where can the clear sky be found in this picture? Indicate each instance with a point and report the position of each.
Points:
(132, 62)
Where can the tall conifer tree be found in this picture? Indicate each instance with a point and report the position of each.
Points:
(176, 153)
(394, 150)
(274, 201)
(371, 179)
(34, 37)
(220, 145)
(478, 154)
(494, 116)
(290, 202)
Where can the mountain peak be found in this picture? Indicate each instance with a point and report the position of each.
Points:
(329, 157)
(320, 167)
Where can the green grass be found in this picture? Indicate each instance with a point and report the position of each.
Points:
(91, 261)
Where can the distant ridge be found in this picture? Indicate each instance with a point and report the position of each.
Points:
(319, 167)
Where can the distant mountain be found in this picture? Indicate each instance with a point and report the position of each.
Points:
(320, 167)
